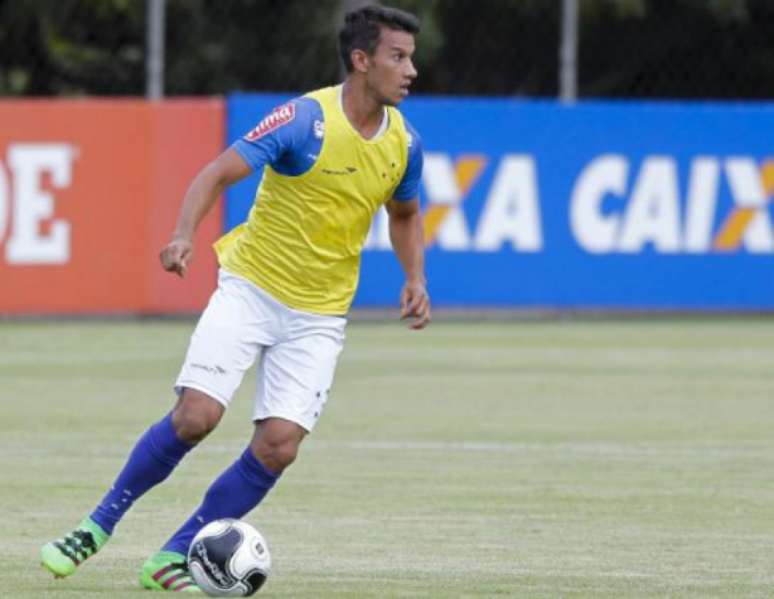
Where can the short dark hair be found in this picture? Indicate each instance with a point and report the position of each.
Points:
(363, 27)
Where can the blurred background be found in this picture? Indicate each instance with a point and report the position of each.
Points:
(625, 48)
(579, 154)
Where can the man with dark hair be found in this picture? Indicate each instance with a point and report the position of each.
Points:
(362, 29)
(330, 160)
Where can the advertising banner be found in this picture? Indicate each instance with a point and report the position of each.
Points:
(89, 194)
(619, 205)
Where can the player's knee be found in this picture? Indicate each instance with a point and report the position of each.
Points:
(191, 426)
(276, 456)
(195, 416)
(275, 443)
(285, 454)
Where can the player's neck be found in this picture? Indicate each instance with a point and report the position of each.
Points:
(361, 109)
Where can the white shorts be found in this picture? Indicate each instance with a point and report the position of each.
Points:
(298, 352)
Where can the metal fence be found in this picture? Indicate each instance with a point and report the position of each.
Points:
(533, 48)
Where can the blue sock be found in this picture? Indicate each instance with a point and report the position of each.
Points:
(152, 460)
(234, 493)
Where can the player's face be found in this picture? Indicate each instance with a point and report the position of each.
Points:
(391, 71)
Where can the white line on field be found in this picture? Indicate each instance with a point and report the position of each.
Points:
(750, 449)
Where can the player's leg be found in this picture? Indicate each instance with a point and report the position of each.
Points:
(275, 444)
(220, 352)
(152, 460)
(294, 379)
(245, 483)
(234, 493)
(157, 454)
(256, 328)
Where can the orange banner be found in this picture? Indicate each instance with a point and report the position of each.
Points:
(89, 194)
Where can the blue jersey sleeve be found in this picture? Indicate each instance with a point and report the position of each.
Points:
(285, 139)
(408, 188)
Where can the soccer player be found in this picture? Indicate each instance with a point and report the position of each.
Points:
(330, 160)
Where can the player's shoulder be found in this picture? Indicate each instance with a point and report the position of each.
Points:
(292, 118)
(414, 139)
(309, 117)
(307, 107)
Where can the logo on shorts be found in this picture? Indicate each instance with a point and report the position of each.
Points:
(210, 369)
(323, 395)
(281, 115)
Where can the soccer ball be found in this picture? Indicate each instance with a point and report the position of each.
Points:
(229, 558)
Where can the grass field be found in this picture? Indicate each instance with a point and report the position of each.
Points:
(501, 459)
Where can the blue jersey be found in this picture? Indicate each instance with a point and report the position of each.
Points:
(291, 147)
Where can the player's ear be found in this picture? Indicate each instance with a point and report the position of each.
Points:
(360, 60)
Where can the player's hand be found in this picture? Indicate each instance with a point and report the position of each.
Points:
(415, 303)
(176, 255)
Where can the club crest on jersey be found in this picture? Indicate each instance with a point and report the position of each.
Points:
(281, 115)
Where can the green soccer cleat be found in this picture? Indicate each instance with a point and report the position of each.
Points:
(63, 556)
(168, 571)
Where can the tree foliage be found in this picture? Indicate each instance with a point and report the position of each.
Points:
(656, 48)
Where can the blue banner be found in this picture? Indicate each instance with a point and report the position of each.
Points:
(621, 205)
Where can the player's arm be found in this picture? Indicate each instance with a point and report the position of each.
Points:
(204, 191)
(406, 234)
(278, 134)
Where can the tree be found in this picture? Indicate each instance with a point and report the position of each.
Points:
(642, 48)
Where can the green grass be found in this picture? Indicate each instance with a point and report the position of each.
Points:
(523, 459)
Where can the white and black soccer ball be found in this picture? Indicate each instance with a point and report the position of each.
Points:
(229, 558)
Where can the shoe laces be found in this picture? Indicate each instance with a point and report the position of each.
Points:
(78, 545)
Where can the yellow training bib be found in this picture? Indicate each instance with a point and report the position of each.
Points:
(302, 240)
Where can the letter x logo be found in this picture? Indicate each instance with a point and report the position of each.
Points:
(447, 185)
(751, 200)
